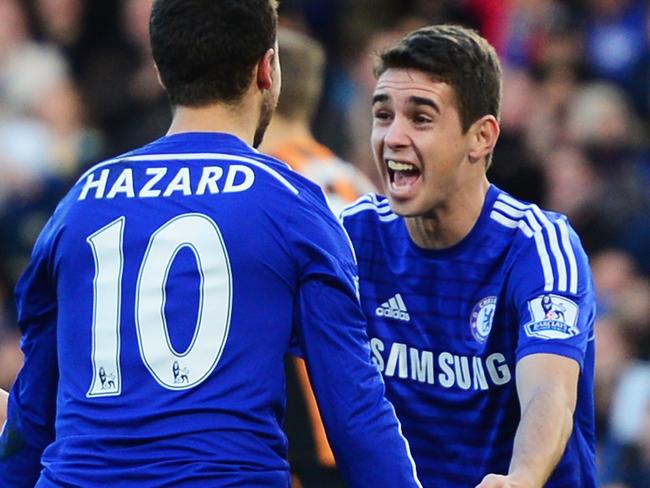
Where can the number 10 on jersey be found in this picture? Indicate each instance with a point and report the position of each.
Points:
(171, 369)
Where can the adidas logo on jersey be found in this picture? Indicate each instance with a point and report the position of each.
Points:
(394, 309)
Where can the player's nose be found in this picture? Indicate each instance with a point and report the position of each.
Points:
(397, 133)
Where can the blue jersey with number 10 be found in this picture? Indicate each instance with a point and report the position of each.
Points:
(157, 309)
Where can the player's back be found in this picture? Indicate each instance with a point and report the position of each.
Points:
(175, 269)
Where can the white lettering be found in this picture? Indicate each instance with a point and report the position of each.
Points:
(181, 182)
(500, 374)
(397, 355)
(209, 178)
(98, 185)
(147, 191)
(239, 178)
(454, 370)
(446, 378)
(123, 184)
(479, 374)
(461, 365)
(422, 367)
(249, 179)
(376, 348)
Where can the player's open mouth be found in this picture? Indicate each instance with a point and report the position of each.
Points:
(402, 175)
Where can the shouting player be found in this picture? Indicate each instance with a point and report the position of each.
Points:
(164, 292)
(481, 306)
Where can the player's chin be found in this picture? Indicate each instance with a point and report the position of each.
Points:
(404, 207)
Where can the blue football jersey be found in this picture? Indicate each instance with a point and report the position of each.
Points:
(157, 309)
(447, 328)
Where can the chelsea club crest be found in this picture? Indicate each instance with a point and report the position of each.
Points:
(481, 318)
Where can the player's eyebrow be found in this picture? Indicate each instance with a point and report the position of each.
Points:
(379, 98)
(424, 101)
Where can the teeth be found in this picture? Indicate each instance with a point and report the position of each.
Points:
(395, 166)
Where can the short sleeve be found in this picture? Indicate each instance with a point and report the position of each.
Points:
(551, 292)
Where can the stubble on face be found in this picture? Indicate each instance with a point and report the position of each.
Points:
(269, 103)
(266, 114)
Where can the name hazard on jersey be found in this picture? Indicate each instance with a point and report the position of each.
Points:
(446, 369)
(160, 182)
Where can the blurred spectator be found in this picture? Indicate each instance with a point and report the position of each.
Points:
(614, 272)
(636, 239)
(528, 25)
(574, 188)
(613, 356)
(127, 100)
(44, 149)
(630, 403)
(599, 121)
(289, 136)
(81, 29)
(556, 74)
(622, 383)
(631, 466)
(62, 23)
(617, 46)
(516, 169)
(26, 67)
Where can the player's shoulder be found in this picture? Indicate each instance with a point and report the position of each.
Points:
(303, 184)
(369, 209)
(307, 210)
(526, 221)
(542, 244)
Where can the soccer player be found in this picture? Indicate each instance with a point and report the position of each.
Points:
(480, 306)
(164, 292)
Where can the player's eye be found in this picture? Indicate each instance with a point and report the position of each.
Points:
(382, 114)
(420, 119)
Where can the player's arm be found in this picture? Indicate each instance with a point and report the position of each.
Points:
(556, 315)
(361, 425)
(547, 387)
(32, 400)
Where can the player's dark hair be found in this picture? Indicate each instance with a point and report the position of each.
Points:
(454, 55)
(205, 50)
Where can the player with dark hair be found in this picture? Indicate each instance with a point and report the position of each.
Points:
(462, 284)
(164, 292)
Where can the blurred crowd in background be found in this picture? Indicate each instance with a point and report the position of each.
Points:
(77, 84)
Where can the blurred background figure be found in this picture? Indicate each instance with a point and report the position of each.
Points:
(617, 47)
(289, 136)
(74, 74)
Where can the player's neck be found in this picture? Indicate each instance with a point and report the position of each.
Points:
(282, 130)
(236, 120)
(451, 221)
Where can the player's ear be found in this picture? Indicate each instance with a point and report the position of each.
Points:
(264, 70)
(158, 76)
(483, 137)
